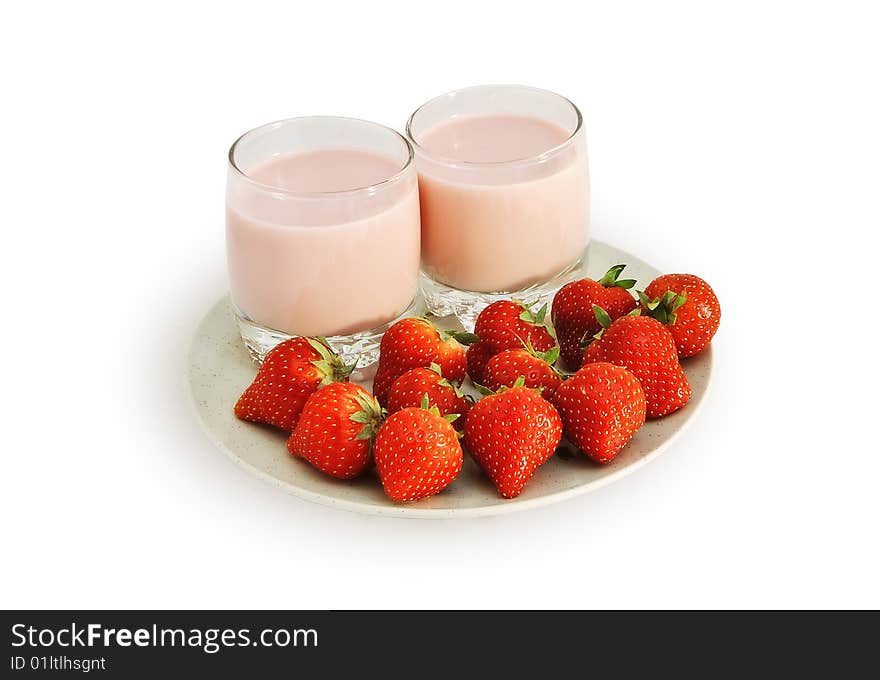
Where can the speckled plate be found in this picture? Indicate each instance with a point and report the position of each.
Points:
(220, 369)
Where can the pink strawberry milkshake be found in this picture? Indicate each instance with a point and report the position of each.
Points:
(322, 241)
(505, 193)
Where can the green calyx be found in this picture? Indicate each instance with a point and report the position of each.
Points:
(549, 357)
(426, 405)
(536, 318)
(370, 415)
(663, 308)
(331, 365)
(462, 337)
(482, 389)
(605, 322)
(611, 280)
(444, 382)
(519, 382)
(602, 317)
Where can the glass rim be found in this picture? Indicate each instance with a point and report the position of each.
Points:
(529, 160)
(367, 189)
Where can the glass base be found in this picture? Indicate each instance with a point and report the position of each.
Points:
(466, 305)
(361, 347)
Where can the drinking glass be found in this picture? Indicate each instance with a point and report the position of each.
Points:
(498, 221)
(322, 233)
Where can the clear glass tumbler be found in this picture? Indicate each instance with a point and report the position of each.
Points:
(504, 192)
(322, 233)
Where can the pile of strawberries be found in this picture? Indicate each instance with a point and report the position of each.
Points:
(624, 352)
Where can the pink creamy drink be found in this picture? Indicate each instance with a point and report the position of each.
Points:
(504, 196)
(323, 241)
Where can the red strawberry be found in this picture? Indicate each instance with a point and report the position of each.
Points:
(507, 324)
(417, 343)
(535, 367)
(417, 454)
(643, 346)
(601, 406)
(510, 434)
(689, 308)
(336, 429)
(478, 356)
(410, 389)
(572, 310)
(289, 374)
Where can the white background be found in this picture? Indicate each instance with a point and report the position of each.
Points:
(737, 141)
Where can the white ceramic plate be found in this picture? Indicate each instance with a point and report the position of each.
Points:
(220, 369)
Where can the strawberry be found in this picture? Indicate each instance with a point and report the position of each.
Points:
(510, 434)
(478, 356)
(601, 406)
(417, 453)
(507, 324)
(535, 367)
(689, 308)
(643, 346)
(410, 389)
(572, 310)
(416, 343)
(289, 374)
(336, 429)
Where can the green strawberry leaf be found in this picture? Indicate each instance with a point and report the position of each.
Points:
(679, 301)
(536, 319)
(663, 308)
(611, 278)
(482, 389)
(345, 370)
(602, 316)
(551, 355)
(426, 405)
(330, 365)
(650, 304)
(321, 347)
(465, 338)
(455, 387)
(542, 313)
